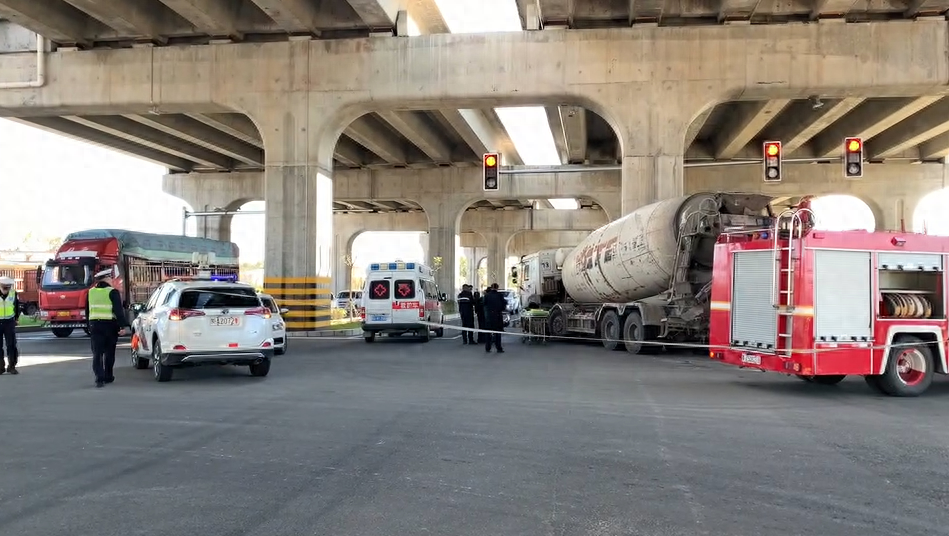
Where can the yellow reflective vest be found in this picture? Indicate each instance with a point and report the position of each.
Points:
(100, 306)
(8, 305)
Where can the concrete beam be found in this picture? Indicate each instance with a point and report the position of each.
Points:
(125, 128)
(198, 133)
(59, 22)
(750, 118)
(237, 125)
(370, 136)
(867, 121)
(802, 122)
(294, 16)
(348, 153)
(645, 10)
(722, 61)
(834, 8)
(912, 8)
(129, 17)
(473, 221)
(481, 135)
(937, 147)
(912, 131)
(427, 16)
(376, 13)
(556, 129)
(64, 127)
(736, 9)
(574, 120)
(216, 18)
(413, 126)
(695, 127)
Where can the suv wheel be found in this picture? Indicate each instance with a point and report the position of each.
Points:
(260, 369)
(162, 372)
(139, 362)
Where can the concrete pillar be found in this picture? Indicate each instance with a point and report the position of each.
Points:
(298, 188)
(497, 256)
(214, 227)
(444, 218)
(648, 179)
(423, 241)
(343, 251)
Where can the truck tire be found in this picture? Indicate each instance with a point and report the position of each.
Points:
(62, 333)
(909, 368)
(31, 309)
(611, 330)
(635, 333)
(558, 326)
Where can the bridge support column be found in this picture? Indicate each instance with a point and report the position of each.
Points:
(299, 258)
(497, 256)
(444, 219)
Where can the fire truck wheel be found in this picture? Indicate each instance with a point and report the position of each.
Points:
(909, 368)
(635, 333)
(874, 382)
(610, 330)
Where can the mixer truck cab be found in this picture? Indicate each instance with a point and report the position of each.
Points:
(398, 297)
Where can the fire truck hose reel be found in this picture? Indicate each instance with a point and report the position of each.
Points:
(903, 305)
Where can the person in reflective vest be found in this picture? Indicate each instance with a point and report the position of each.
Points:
(9, 317)
(107, 322)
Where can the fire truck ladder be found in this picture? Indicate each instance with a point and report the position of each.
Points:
(782, 282)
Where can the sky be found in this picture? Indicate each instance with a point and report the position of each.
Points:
(62, 185)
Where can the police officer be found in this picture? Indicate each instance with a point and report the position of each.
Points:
(9, 317)
(466, 310)
(479, 312)
(107, 322)
(494, 306)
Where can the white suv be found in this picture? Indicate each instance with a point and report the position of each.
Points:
(194, 321)
(280, 342)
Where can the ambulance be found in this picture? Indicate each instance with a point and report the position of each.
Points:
(398, 297)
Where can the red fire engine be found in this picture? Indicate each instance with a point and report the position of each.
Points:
(822, 305)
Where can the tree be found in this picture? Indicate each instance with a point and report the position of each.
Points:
(436, 264)
(463, 268)
(52, 244)
(482, 276)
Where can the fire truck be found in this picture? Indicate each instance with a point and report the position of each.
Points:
(823, 305)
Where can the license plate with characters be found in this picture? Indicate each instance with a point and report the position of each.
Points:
(751, 359)
(225, 321)
(378, 318)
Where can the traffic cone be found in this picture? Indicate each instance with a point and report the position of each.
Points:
(135, 341)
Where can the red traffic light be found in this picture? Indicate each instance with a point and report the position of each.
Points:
(853, 145)
(772, 149)
(490, 160)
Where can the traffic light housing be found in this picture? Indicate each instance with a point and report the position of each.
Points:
(853, 158)
(772, 161)
(491, 166)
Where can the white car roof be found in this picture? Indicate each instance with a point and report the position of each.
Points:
(185, 284)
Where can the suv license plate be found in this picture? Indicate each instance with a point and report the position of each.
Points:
(378, 318)
(225, 321)
(751, 359)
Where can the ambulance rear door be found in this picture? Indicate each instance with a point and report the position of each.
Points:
(378, 298)
(406, 305)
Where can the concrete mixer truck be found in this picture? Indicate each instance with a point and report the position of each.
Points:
(645, 277)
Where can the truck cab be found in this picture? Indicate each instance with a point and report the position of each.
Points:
(398, 297)
(67, 279)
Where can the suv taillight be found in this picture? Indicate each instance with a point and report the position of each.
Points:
(181, 314)
(258, 311)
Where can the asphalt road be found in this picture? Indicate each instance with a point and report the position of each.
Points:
(405, 438)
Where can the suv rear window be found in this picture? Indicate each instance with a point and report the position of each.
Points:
(379, 289)
(404, 289)
(219, 298)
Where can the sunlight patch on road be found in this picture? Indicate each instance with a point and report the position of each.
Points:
(32, 360)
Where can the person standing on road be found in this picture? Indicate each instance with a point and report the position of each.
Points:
(466, 310)
(107, 322)
(494, 306)
(9, 318)
(479, 312)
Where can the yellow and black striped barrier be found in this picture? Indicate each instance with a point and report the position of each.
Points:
(307, 298)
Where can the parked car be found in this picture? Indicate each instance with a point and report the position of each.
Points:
(280, 341)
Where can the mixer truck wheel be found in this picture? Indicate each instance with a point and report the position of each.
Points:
(610, 330)
(558, 327)
(635, 333)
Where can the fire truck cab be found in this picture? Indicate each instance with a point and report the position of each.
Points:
(822, 305)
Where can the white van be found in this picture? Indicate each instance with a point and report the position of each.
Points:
(399, 295)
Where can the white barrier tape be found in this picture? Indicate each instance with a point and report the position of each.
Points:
(684, 345)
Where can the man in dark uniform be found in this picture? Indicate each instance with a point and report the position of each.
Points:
(466, 310)
(9, 317)
(107, 322)
(479, 312)
(494, 306)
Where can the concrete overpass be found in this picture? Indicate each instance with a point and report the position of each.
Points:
(663, 97)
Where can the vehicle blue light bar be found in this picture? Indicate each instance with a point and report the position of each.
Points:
(410, 265)
(223, 278)
(393, 266)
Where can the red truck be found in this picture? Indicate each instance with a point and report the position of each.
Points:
(140, 261)
(27, 276)
(823, 305)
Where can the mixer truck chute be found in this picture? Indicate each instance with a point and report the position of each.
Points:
(644, 277)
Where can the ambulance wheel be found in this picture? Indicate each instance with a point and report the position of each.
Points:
(610, 330)
(62, 333)
(635, 333)
(369, 336)
(909, 368)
